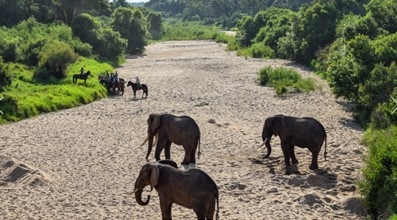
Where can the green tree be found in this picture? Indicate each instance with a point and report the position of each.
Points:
(315, 29)
(384, 12)
(110, 44)
(54, 59)
(84, 27)
(130, 23)
(348, 66)
(5, 78)
(155, 25)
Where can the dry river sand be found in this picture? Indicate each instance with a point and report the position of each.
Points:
(81, 163)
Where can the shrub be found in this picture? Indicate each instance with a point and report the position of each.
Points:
(260, 50)
(283, 79)
(379, 186)
(5, 78)
(54, 59)
(110, 44)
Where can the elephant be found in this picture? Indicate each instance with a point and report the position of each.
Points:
(302, 132)
(167, 128)
(192, 189)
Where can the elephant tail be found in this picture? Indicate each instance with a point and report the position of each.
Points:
(325, 147)
(199, 152)
(217, 207)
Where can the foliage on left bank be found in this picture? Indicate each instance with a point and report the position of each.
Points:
(39, 55)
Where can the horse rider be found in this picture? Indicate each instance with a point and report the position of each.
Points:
(137, 82)
(82, 71)
(116, 77)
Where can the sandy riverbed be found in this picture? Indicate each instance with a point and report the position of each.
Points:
(81, 163)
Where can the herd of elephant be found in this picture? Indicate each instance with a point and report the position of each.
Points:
(194, 189)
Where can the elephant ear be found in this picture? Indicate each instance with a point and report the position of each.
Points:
(279, 125)
(154, 176)
(154, 122)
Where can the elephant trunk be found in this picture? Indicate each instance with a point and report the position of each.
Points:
(138, 197)
(269, 148)
(150, 144)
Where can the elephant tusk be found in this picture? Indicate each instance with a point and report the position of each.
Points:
(156, 139)
(147, 138)
(135, 190)
(263, 144)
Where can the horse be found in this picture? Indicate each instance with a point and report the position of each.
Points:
(81, 76)
(111, 86)
(136, 87)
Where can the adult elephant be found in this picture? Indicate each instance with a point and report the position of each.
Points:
(193, 189)
(302, 132)
(180, 130)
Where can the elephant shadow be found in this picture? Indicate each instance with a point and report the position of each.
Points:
(322, 178)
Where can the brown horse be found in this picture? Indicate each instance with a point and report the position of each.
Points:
(136, 87)
(81, 76)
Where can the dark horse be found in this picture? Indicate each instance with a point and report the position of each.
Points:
(81, 76)
(112, 86)
(136, 87)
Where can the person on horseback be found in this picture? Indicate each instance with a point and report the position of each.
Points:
(116, 77)
(138, 83)
(82, 71)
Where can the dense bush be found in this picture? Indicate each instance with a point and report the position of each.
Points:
(257, 50)
(130, 23)
(155, 25)
(5, 78)
(84, 26)
(54, 59)
(284, 79)
(379, 185)
(110, 44)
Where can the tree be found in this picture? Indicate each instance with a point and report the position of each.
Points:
(110, 44)
(5, 78)
(315, 29)
(131, 25)
(155, 25)
(84, 26)
(54, 59)
(384, 12)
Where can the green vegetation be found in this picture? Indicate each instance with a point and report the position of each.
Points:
(178, 30)
(379, 185)
(352, 44)
(27, 97)
(284, 79)
(41, 48)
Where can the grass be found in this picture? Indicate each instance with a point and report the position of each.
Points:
(28, 97)
(193, 30)
(285, 80)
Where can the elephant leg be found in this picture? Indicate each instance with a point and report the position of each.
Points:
(286, 151)
(193, 154)
(211, 209)
(159, 148)
(201, 211)
(167, 150)
(292, 154)
(165, 209)
(186, 159)
(315, 152)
